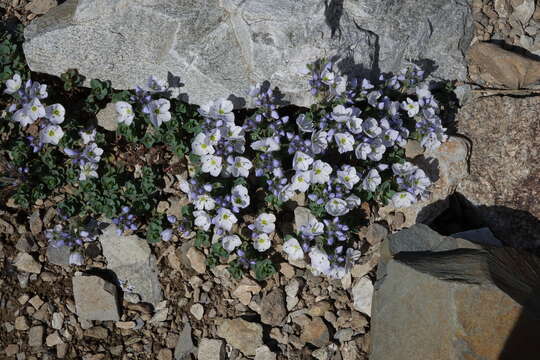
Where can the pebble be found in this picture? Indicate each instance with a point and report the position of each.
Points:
(25, 262)
(376, 233)
(11, 350)
(36, 302)
(96, 332)
(245, 290)
(264, 353)
(362, 294)
(315, 332)
(61, 350)
(53, 339)
(21, 323)
(197, 311)
(291, 289)
(197, 260)
(125, 324)
(165, 354)
(273, 309)
(242, 335)
(57, 320)
(184, 346)
(211, 349)
(35, 336)
(287, 270)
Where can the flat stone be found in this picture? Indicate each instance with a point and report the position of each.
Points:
(376, 233)
(58, 255)
(197, 260)
(21, 323)
(184, 346)
(57, 320)
(97, 332)
(35, 336)
(131, 259)
(451, 304)
(53, 339)
(107, 118)
(446, 166)
(11, 350)
(264, 353)
(242, 335)
(95, 298)
(35, 223)
(362, 294)
(197, 310)
(507, 144)
(25, 262)
(245, 290)
(502, 68)
(219, 48)
(315, 332)
(273, 309)
(26, 244)
(211, 349)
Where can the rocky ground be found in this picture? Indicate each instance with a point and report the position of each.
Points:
(203, 313)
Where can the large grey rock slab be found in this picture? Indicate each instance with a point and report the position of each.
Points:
(448, 305)
(504, 185)
(95, 298)
(130, 258)
(446, 167)
(221, 47)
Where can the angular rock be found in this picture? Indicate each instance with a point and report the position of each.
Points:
(25, 262)
(449, 305)
(35, 336)
(500, 67)
(26, 244)
(53, 339)
(58, 255)
(264, 353)
(184, 347)
(211, 349)
(219, 48)
(107, 117)
(362, 294)
(197, 311)
(315, 332)
(197, 260)
(132, 261)
(273, 309)
(482, 236)
(95, 298)
(242, 335)
(446, 167)
(505, 173)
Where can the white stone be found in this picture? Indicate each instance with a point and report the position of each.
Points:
(362, 293)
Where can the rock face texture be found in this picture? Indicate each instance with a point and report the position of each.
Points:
(504, 184)
(436, 301)
(221, 47)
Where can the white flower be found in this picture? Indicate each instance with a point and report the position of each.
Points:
(353, 201)
(166, 234)
(319, 141)
(372, 98)
(301, 181)
(88, 136)
(336, 207)
(293, 249)
(233, 132)
(88, 170)
(202, 220)
(22, 118)
(422, 91)
(35, 109)
(266, 145)
(125, 112)
(403, 199)
(354, 125)
(371, 181)
(411, 106)
(204, 202)
(154, 85)
(55, 113)
(201, 145)
(320, 172)
(348, 177)
(184, 186)
(76, 258)
(320, 263)
(51, 134)
(287, 192)
(389, 137)
(93, 152)
(345, 142)
(262, 242)
(377, 150)
(419, 182)
(13, 85)
(241, 167)
(231, 242)
(371, 128)
(240, 196)
(265, 223)
(159, 111)
(403, 169)
(304, 124)
(211, 164)
(223, 109)
(341, 114)
(224, 219)
(328, 77)
(214, 136)
(313, 228)
(301, 161)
